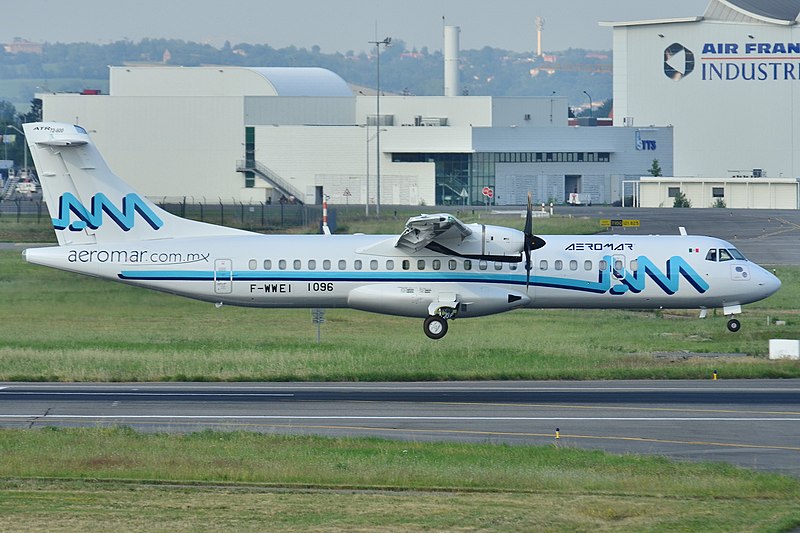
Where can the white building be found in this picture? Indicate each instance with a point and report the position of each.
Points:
(738, 193)
(259, 134)
(728, 81)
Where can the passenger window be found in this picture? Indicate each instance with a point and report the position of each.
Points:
(512, 266)
(603, 264)
(558, 264)
(619, 265)
(357, 264)
(482, 264)
(573, 265)
(452, 264)
(467, 264)
(253, 264)
(587, 265)
(543, 264)
(498, 265)
(437, 264)
(634, 265)
(342, 264)
(712, 255)
(282, 264)
(420, 264)
(389, 264)
(297, 264)
(267, 264)
(326, 264)
(312, 264)
(724, 255)
(373, 264)
(406, 264)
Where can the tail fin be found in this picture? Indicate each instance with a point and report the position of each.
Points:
(88, 203)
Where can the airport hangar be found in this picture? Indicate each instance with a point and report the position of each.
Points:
(729, 83)
(222, 134)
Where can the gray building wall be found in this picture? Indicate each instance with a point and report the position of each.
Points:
(631, 152)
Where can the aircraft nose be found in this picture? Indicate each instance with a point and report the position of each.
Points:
(768, 282)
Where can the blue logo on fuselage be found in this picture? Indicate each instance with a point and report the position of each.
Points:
(93, 218)
(634, 280)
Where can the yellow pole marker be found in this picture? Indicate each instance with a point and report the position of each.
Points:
(558, 433)
(715, 375)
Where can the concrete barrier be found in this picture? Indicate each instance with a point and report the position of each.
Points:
(784, 349)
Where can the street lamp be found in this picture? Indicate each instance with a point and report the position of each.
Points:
(591, 111)
(386, 42)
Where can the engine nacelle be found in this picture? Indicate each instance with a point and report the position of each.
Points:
(488, 242)
(425, 299)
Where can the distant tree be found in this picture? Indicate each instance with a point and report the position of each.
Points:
(7, 112)
(719, 203)
(35, 114)
(681, 200)
(655, 168)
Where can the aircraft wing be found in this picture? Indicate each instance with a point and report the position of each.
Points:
(424, 229)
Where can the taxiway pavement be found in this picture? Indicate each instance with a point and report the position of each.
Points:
(751, 423)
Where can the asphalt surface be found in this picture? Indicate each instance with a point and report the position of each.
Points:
(752, 423)
(766, 236)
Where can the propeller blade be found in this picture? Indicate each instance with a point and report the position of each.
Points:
(528, 240)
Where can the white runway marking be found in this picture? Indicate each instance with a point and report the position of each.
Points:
(421, 418)
(118, 393)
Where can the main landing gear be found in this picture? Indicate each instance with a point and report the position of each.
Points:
(734, 325)
(435, 327)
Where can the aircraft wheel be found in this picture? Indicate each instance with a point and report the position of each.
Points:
(734, 325)
(435, 327)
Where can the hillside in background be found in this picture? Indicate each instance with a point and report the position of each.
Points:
(58, 67)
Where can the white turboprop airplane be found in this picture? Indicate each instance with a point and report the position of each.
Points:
(438, 269)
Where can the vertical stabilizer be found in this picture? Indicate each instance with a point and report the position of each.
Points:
(88, 203)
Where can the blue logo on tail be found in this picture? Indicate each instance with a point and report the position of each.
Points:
(131, 204)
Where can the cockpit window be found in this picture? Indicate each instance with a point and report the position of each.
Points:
(737, 254)
(712, 255)
(724, 255)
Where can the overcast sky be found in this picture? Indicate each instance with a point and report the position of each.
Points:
(335, 25)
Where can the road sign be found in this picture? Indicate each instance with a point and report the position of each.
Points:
(620, 223)
(488, 192)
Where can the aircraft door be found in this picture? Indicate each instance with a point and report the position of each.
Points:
(223, 276)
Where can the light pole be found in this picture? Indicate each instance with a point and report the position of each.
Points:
(369, 139)
(591, 111)
(386, 42)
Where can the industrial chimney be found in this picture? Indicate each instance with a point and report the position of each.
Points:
(451, 85)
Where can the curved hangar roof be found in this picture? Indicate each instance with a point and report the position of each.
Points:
(226, 81)
(304, 81)
(775, 11)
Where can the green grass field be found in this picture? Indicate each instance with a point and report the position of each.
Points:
(116, 479)
(66, 327)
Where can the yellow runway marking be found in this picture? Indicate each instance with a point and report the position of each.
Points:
(564, 436)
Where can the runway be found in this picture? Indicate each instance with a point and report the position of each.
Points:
(751, 423)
